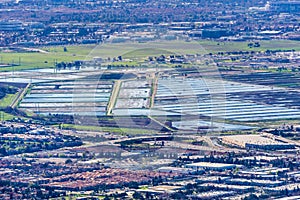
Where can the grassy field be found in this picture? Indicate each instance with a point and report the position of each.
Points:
(131, 50)
(7, 100)
(146, 52)
(36, 60)
(213, 46)
(5, 116)
(108, 129)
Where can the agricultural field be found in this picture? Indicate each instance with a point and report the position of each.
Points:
(35, 60)
(47, 56)
(156, 48)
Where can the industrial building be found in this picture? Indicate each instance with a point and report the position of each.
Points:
(255, 142)
(177, 170)
(210, 166)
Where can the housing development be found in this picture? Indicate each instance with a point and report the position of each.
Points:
(149, 99)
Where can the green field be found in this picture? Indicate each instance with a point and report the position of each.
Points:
(7, 100)
(214, 47)
(35, 60)
(5, 116)
(129, 131)
(131, 50)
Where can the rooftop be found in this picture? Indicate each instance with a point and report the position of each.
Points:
(252, 139)
(211, 165)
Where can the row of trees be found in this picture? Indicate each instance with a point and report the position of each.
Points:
(68, 65)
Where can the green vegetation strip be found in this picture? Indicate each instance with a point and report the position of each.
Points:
(7, 100)
(5, 116)
(108, 129)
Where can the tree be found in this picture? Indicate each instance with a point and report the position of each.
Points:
(68, 161)
(137, 195)
(256, 44)
(3, 151)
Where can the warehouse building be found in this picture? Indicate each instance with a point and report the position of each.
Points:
(210, 166)
(255, 142)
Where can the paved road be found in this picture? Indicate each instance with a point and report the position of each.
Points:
(114, 96)
(19, 97)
